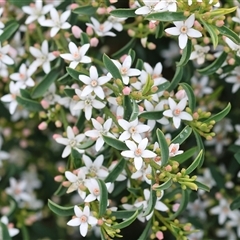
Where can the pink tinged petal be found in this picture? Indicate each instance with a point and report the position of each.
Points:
(194, 33)
(28, 10)
(44, 47)
(173, 31)
(88, 112)
(92, 220)
(168, 113)
(102, 173)
(64, 16)
(46, 9)
(48, 23)
(86, 211)
(54, 31)
(96, 124)
(86, 59)
(30, 19)
(128, 154)
(80, 137)
(85, 79)
(107, 125)
(172, 104)
(148, 154)
(136, 137)
(133, 72)
(99, 143)
(63, 141)
(125, 79)
(74, 222)
(99, 161)
(131, 145)
(176, 122)
(99, 92)
(67, 56)
(185, 116)
(143, 144)
(142, 128)
(138, 162)
(70, 176)
(182, 40)
(190, 21)
(84, 229)
(127, 62)
(95, 22)
(182, 104)
(87, 160)
(65, 25)
(124, 124)
(66, 151)
(158, 69)
(92, 133)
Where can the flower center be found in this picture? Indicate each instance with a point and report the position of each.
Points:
(184, 29)
(94, 83)
(22, 76)
(73, 143)
(176, 112)
(132, 130)
(124, 70)
(76, 56)
(96, 191)
(88, 102)
(83, 218)
(138, 152)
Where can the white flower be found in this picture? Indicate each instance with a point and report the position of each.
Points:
(148, 8)
(83, 218)
(184, 29)
(174, 149)
(143, 173)
(206, 179)
(201, 86)
(101, 29)
(199, 54)
(94, 83)
(235, 47)
(125, 69)
(23, 77)
(138, 152)
(235, 220)
(11, 230)
(237, 18)
(95, 168)
(87, 103)
(166, 5)
(132, 130)
(57, 22)
(4, 58)
(43, 57)
(71, 141)
(11, 97)
(76, 55)
(50, 95)
(176, 112)
(116, 22)
(36, 11)
(99, 131)
(235, 79)
(77, 181)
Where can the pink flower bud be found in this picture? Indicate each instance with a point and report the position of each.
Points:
(126, 91)
(89, 31)
(94, 42)
(151, 46)
(75, 130)
(32, 26)
(56, 53)
(181, 94)
(44, 104)
(23, 143)
(73, 6)
(2, 2)
(66, 184)
(61, 169)
(101, 10)
(140, 108)
(113, 1)
(100, 120)
(151, 25)
(58, 178)
(175, 207)
(58, 124)
(42, 126)
(159, 235)
(76, 31)
(75, 86)
(55, 136)
(122, 58)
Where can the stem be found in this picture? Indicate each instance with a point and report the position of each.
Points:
(113, 88)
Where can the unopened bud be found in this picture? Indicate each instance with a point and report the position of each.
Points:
(76, 31)
(94, 42)
(42, 126)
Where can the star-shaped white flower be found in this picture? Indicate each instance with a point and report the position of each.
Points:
(4, 58)
(87, 103)
(99, 131)
(36, 11)
(166, 5)
(43, 57)
(138, 152)
(57, 22)
(235, 47)
(184, 29)
(176, 112)
(132, 130)
(76, 55)
(82, 219)
(93, 83)
(199, 54)
(148, 8)
(174, 149)
(71, 141)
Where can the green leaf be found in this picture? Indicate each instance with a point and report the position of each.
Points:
(9, 31)
(218, 177)
(135, 112)
(202, 186)
(145, 233)
(24, 93)
(176, 79)
(132, 54)
(123, 213)
(163, 86)
(147, 86)
(160, 30)
(195, 163)
(65, 79)
(237, 157)
(166, 16)
(118, 169)
(151, 203)
(84, 38)
(235, 203)
(134, 191)
(60, 191)
(229, 33)
(76, 158)
(163, 146)
(183, 135)
(181, 158)
(213, 67)
(85, 10)
(86, 145)
(60, 210)
(70, 92)
(167, 184)
(103, 197)
(29, 104)
(183, 204)
(185, 54)
(200, 145)
(213, 32)
(4, 234)
(127, 222)
(115, 143)
(123, 13)
(111, 67)
(128, 109)
(139, 64)
(44, 85)
(152, 115)
(219, 116)
(190, 94)
(222, 11)
(74, 73)
(125, 48)
(20, 4)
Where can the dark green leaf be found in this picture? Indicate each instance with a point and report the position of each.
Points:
(20, 3)
(235, 203)
(160, 30)
(118, 169)
(9, 31)
(202, 186)
(29, 104)
(85, 10)
(237, 156)
(195, 163)
(185, 54)
(218, 177)
(128, 109)
(132, 54)
(152, 115)
(60, 191)
(200, 145)
(226, 31)
(60, 210)
(213, 32)
(86, 145)
(44, 85)
(163, 86)
(4, 234)
(84, 38)
(213, 67)
(74, 73)
(183, 135)
(163, 146)
(166, 16)
(125, 48)
(123, 13)
(167, 184)
(115, 143)
(25, 94)
(103, 197)
(70, 92)
(181, 158)
(190, 94)
(111, 67)
(123, 213)
(65, 79)
(134, 191)
(139, 64)
(176, 79)
(145, 233)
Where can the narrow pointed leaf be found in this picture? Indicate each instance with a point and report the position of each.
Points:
(152, 115)
(25, 94)
(163, 146)
(124, 213)
(111, 67)
(235, 203)
(4, 234)
(86, 145)
(128, 108)
(195, 163)
(202, 186)
(74, 73)
(123, 13)
(190, 94)
(9, 30)
(166, 16)
(70, 92)
(135, 112)
(118, 169)
(60, 191)
(103, 197)
(29, 104)
(160, 30)
(60, 210)
(183, 135)
(163, 86)
(115, 143)
(213, 32)
(200, 145)
(185, 54)
(167, 184)
(145, 233)
(229, 33)
(181, 158)
(85, 10)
